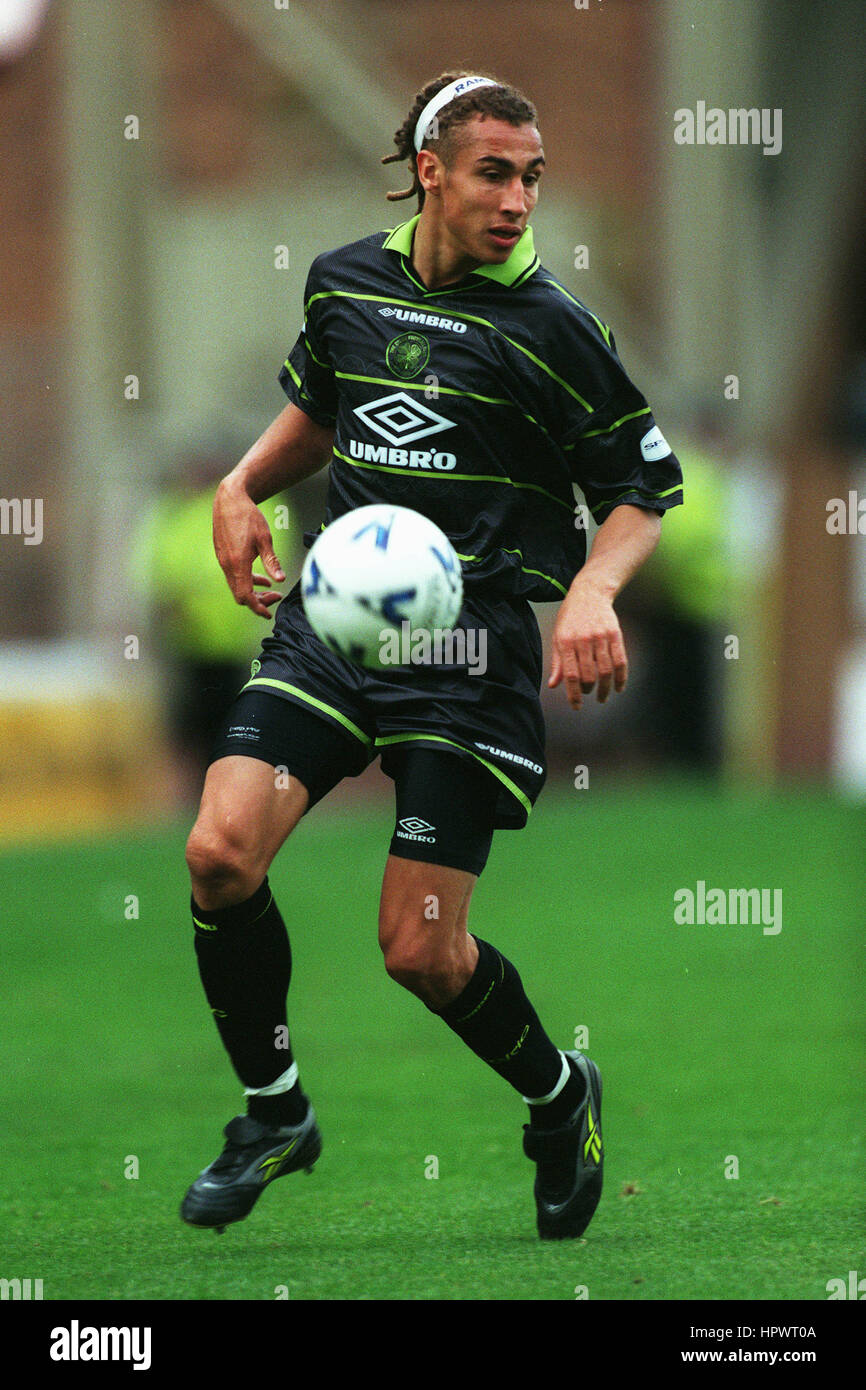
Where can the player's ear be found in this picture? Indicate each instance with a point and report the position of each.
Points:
(429, 167)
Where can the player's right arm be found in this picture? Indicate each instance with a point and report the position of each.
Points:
(291, 449)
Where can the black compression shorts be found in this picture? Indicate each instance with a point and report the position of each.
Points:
(444, 804)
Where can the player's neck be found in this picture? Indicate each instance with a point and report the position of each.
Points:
(436, 258)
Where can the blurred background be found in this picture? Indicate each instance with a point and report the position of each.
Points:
(171, 167)
(169, 170)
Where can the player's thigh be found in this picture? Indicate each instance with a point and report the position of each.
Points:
(273, 760)
(442, 836)
(247, 811)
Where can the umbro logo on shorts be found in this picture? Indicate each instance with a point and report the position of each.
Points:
(413, 828)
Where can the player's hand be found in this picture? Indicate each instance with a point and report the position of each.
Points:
(241, 535)
(588, 646)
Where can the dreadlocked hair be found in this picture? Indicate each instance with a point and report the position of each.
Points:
(502, 102)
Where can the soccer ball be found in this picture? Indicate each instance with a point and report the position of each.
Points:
(373, 571)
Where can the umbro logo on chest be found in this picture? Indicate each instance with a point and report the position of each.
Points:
(389, 311)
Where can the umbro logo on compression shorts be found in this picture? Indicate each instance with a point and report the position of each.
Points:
(414, 828)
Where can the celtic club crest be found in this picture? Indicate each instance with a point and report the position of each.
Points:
(408, 355)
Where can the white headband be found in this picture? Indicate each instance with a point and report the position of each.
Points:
(434, 106)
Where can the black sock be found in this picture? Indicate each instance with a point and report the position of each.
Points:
(493, 1016)
(245, 964)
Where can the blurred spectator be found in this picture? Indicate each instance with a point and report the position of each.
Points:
(204, 638)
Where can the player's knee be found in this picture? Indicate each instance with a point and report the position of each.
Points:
(415, 969)
(434, 971)
(221, 870)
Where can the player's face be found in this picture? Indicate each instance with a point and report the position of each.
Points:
(489, 187)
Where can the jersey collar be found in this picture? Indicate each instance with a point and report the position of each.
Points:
(518, 266)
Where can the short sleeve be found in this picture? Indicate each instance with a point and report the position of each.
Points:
(617, 453)
(307, 376)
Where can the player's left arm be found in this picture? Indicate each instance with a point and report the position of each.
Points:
(588, 646)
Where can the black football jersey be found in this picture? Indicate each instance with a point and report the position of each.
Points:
(480, 404)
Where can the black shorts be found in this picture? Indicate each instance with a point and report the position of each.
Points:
(444, 804)
(482, 708)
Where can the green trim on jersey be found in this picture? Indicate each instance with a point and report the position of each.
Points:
(479, 559)
(293, 374)
(311, 700)
(318, 361)
(645, 497)
(593, 434)
(440, 391)
(436, 738)
(416, 386)
(300, 385)
(526, 570)
(520, 263)
(459, 477)
(455, 314)
(602, 327)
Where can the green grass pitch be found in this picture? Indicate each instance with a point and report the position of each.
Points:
(733, 1063)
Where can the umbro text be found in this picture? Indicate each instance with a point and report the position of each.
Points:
(402, 458)
(427, 320)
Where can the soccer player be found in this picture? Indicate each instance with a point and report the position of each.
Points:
(440, 367)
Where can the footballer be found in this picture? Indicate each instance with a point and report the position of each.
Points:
(439, 367)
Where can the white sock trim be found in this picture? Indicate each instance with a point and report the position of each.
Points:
(563, 1078)
(276, 1088)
